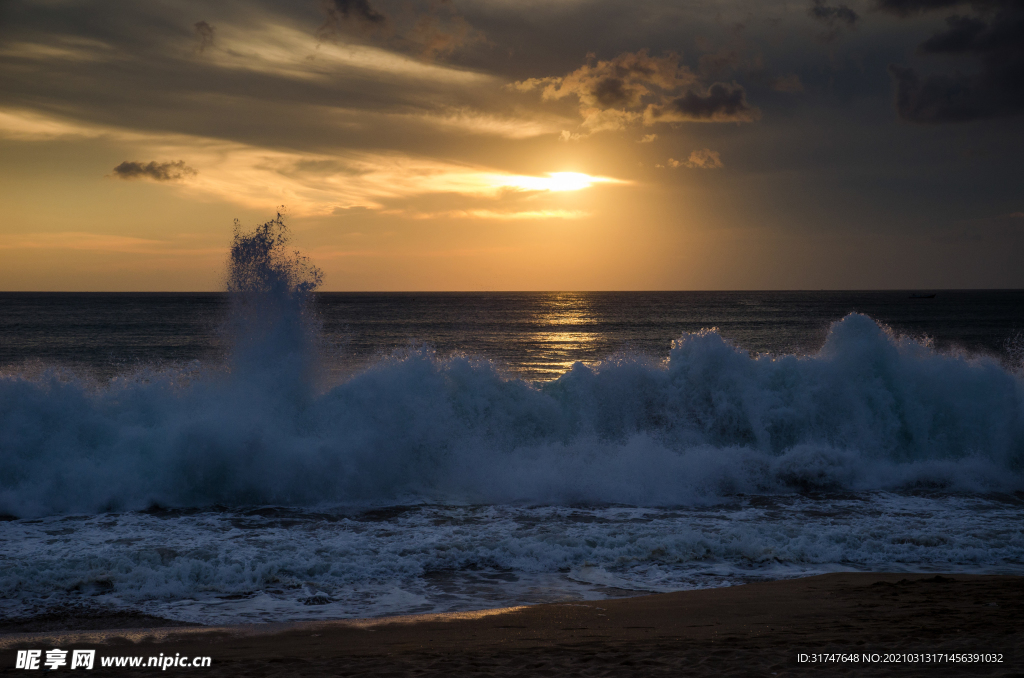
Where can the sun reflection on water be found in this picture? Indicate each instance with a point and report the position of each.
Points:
(567, 329)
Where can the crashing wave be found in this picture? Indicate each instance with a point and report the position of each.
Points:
(869, 410)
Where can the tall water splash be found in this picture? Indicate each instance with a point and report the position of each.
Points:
(272, 325)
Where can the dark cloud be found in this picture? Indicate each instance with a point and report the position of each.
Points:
(343, 10)
(205, 33)
(611, 92)
(621, 82)
(997, 90)
(157, 171)
(721, 103)
(430, 31)
(971, 35)
(908, 7)
(841, 14)
(835, 18)
(350, 17)
(962, 36)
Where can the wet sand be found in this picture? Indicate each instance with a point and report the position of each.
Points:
(756, 629)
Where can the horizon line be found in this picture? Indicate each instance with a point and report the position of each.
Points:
(554, 291)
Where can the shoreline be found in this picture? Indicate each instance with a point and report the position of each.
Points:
(757, 628)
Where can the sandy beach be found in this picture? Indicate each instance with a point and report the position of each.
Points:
(755, 629)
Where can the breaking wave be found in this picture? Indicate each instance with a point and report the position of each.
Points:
(869, 410)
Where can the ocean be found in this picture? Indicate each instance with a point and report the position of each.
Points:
(276, 454)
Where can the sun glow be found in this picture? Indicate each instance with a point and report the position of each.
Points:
(556, 181)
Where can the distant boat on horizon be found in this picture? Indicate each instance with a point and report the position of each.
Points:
(922, 296)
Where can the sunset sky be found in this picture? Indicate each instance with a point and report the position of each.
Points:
(500, 145)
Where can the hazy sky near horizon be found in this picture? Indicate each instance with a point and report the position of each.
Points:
(498, 145)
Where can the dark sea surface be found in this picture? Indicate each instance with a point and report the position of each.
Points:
(533, 335)
(270, 457)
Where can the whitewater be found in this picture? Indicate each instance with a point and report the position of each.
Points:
(264, 487)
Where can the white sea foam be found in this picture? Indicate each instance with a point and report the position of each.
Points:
(276, 564)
